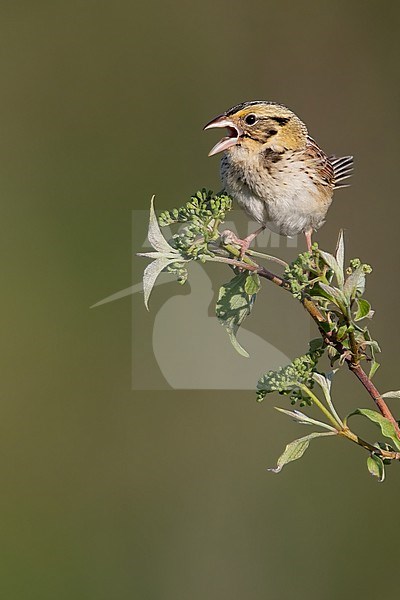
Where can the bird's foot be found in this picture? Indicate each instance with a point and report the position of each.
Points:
(230, 238)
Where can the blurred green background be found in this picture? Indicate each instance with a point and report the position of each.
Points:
(113, 493)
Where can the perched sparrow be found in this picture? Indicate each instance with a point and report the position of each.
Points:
(275, 170)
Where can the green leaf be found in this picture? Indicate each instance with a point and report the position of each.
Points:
(374, 348)
(341, 332)
(387, 428)
(334, 265)
(316, 344)
(234, 304)
(252, 284)
(374, 367)
(376, 467)
(363, 310)
(391, 394)
(296, 449)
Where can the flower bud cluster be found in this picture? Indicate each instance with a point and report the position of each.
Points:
(355, 263)
(201, 208)
(286, 380)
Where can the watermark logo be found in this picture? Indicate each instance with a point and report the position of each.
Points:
(180, 344)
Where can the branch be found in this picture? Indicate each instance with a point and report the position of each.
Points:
(318, 280)
(318, 317)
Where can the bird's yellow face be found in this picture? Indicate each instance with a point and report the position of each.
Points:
(259, 125)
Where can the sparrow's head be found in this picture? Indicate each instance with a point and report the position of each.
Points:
(259, 125)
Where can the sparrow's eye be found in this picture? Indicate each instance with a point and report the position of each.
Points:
(250, 119)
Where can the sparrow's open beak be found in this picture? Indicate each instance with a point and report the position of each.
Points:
(234, 133)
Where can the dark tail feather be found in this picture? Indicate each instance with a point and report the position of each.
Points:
(342, 168)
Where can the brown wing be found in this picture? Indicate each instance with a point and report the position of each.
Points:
(323, 168)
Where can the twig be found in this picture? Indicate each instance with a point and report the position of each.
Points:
(345, 432)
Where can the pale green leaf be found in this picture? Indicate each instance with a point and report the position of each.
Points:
(376, 467)
(151, 273)
(234, 304)
(304, 419)
(335, 295)
(386, 427)
(395, 394)
(252, 284)
(238, 347)
(340, 250)
(154, 235)
(325, 381)
(334, 265)
(354, 283)
(296, 449)
(158, 254)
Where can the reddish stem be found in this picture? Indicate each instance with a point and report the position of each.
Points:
(317, 316)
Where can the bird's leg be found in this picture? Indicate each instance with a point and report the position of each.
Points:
(308, 235)
(228, 237)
